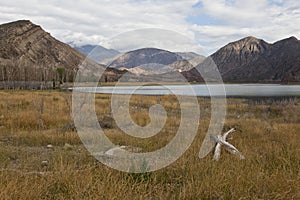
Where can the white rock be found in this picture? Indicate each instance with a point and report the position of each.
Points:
(44, 163)
(68, 146)
(115, 150)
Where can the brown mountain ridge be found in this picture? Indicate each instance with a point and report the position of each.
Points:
(32, 58)
(252, 60)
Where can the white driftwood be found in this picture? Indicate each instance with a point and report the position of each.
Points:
(221, 141)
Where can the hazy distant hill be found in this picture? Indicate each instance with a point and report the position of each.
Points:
(145, 56)
(97, 53)
(254, 60)
(32, 58)
(151, 61)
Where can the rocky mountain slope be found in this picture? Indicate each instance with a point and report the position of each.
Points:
(254, 60)
(181, 65)
(32, 58)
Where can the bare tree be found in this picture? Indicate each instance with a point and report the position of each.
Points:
(12, 73)
(40, 110)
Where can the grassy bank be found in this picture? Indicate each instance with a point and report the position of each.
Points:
(267, 133)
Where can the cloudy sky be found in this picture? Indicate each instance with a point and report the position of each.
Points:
(173, 24)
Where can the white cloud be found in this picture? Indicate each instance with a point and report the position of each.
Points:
(93, 21)
(153, 37)
(236, 12)
(269, 20)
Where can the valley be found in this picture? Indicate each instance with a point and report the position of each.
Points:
(43, 156)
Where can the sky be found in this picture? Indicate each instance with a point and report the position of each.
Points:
(202, 26)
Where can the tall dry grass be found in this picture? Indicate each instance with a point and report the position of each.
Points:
(267, 133)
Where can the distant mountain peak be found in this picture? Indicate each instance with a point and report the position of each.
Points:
(247, 45)
(22, 24)
(19, 22)
(250, 38)
(97, 53)
(292, 38)
(149, 51)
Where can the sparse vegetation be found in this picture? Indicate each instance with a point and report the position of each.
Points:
(267, 134)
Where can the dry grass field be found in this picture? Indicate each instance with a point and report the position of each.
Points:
(267, 133)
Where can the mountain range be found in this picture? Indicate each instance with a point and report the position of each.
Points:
(249, 60)
(32, 58)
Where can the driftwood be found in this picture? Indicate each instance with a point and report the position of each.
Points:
(221, 141)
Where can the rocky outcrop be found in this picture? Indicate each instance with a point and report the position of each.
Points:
(181, 65)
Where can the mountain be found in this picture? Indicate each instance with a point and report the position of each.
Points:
(151, 61)
(145, 56)
(32, 58)
(254, 60)
(97, 53)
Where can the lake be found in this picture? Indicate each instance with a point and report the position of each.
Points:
(201, 90)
